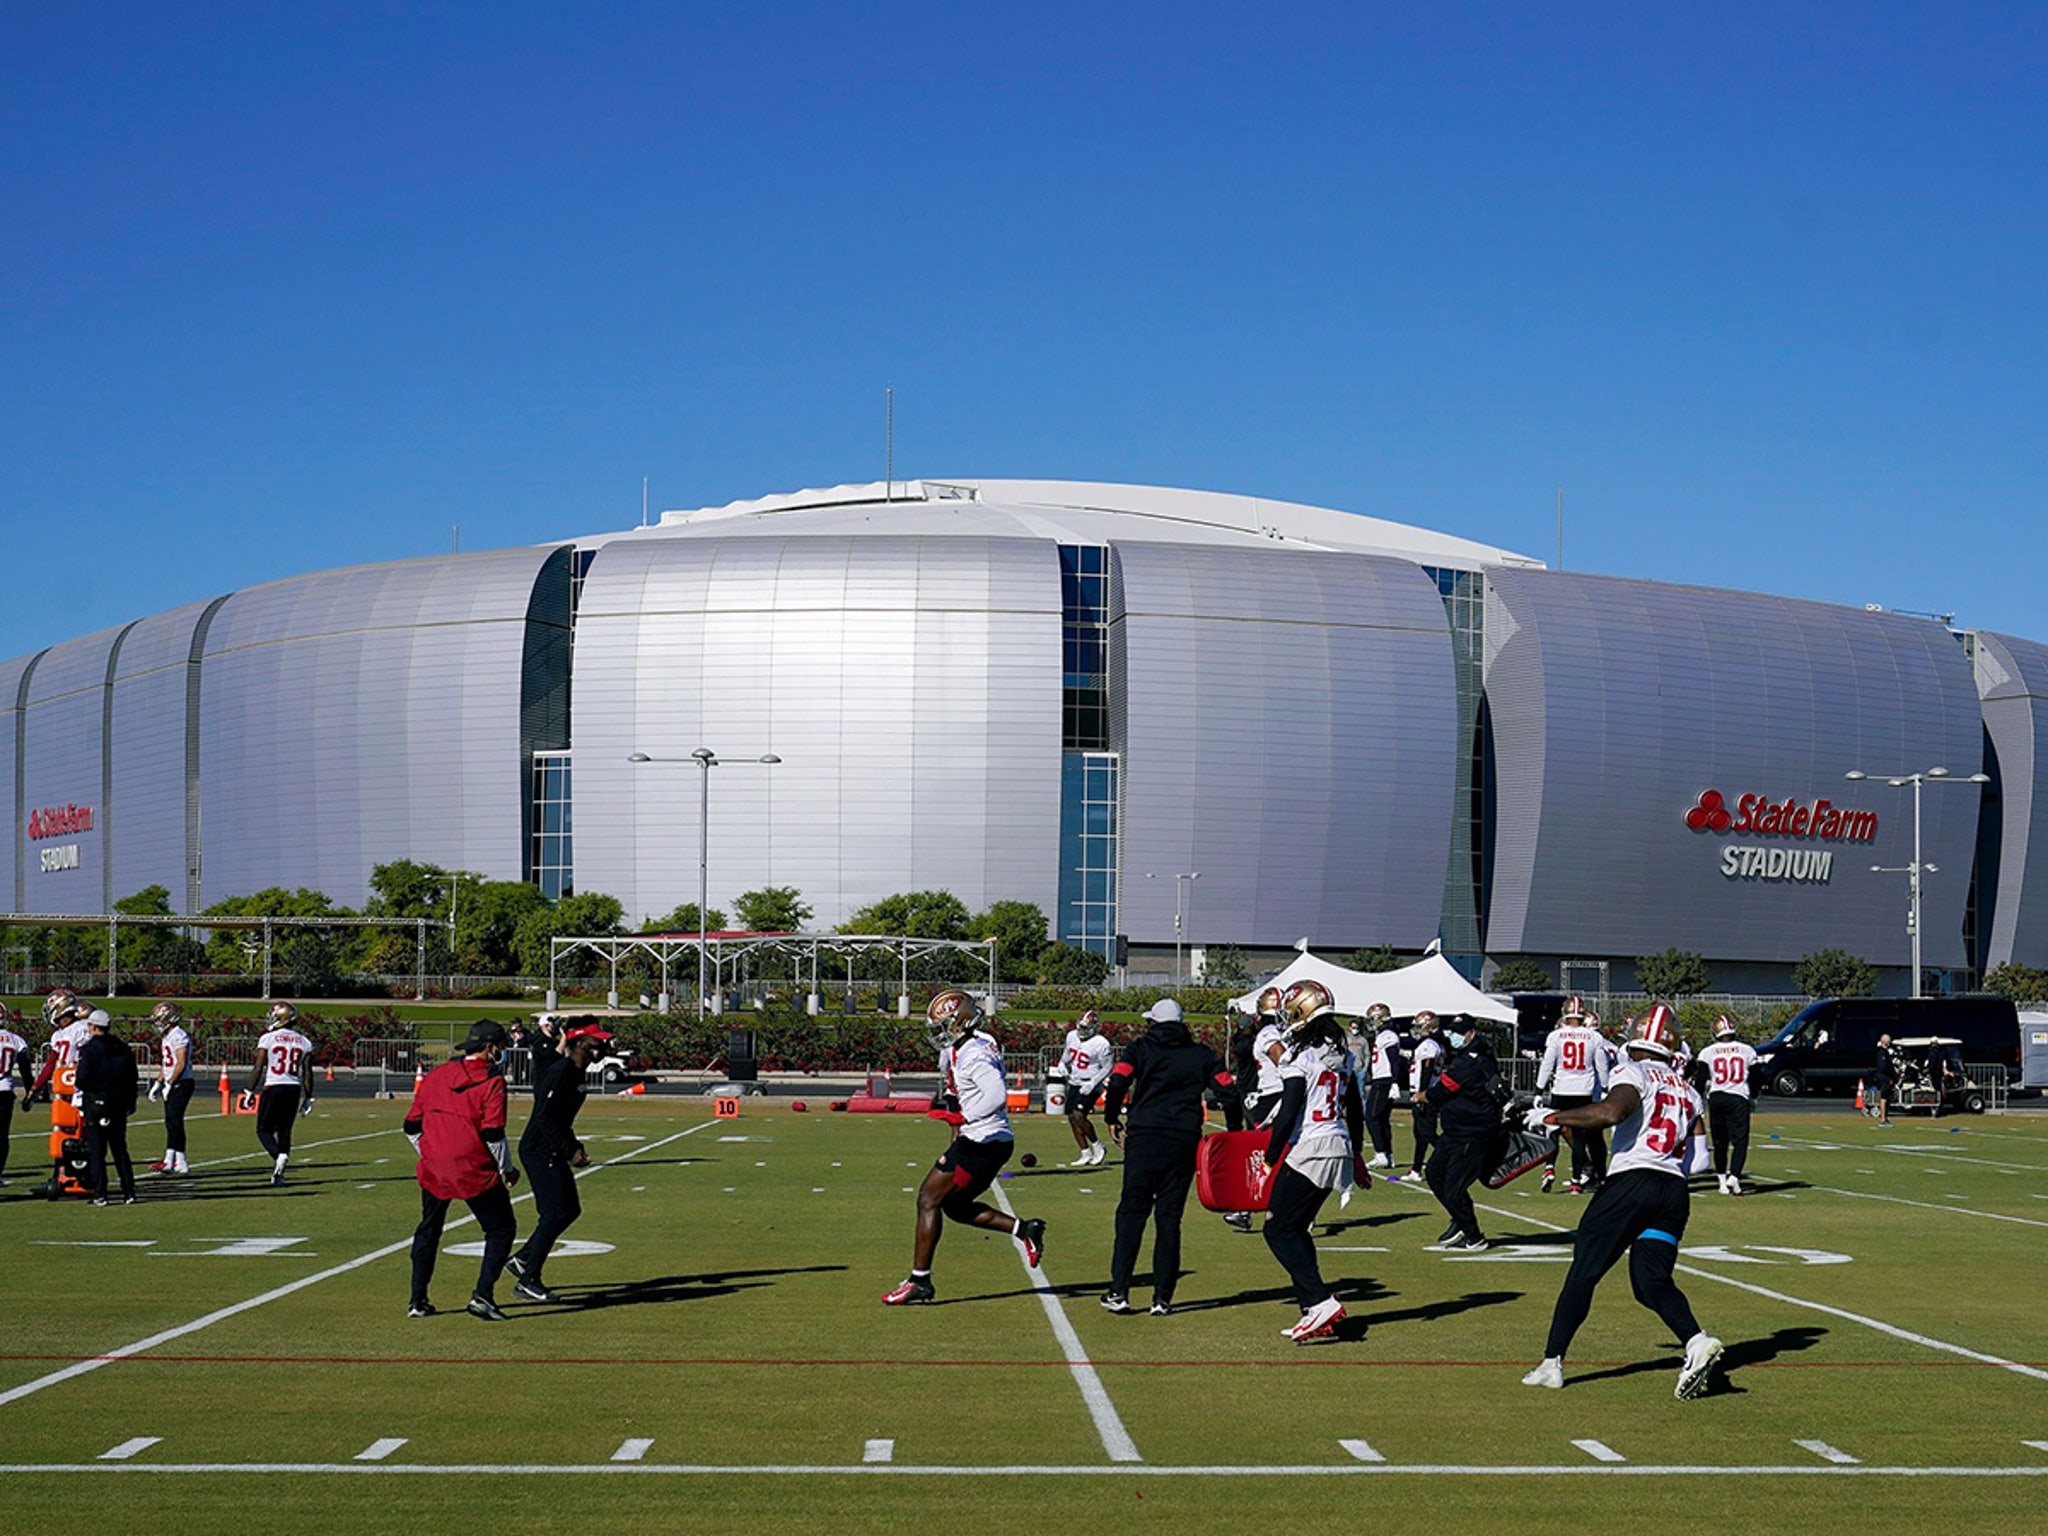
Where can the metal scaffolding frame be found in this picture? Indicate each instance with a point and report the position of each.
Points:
(722, 949)
(114, 922)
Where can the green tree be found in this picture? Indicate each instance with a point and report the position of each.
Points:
(1834, 973)
(1068, 965)
(1675, 973)
(487, 918)
(587, 914)
(1380, 958)
(155, 948)
(773, 909)
(1226, 966)
(305, 962)
(240, 949)
(684, 920)
(914, 914)
(1018, 927)
(1520, 975)
(2021, 983)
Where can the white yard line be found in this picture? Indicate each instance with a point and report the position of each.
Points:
(1116, 1440)
(1091, 1469)
(222, 1314)
(1928, 1205)
(1812, 1306)
(1896, 1150)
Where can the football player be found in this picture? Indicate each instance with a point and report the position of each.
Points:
(13, 1063)
(1086, 1062)
(1726, 1066)
(1263, 1102)
(1641, 1207)
(1574, 1073)
(974, 1100)
(65, 1012)
(1315, 1133)
(1425, 1061)
(282, 1056)
(174, 1083)
(1382, 1080)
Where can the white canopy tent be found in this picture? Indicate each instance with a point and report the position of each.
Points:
(1432, 983)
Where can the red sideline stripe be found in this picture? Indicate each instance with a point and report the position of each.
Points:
(743, 1360)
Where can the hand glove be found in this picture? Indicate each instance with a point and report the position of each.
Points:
(951, 1117)
(247, 1101)
(1360, 1174)
(1539, 1120)
(156, 1090)
(511, 1178)
(306, 1105)
(415, 1143)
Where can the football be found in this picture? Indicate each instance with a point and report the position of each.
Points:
(1029, 1159)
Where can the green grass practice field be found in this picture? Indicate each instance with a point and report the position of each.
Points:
(227, 1356)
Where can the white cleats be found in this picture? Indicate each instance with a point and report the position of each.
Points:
(1702, 1354)
(1318, 1320)
(1380, 1160)
(1549, 1374)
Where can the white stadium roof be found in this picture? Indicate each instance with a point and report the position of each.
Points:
(1073, 511)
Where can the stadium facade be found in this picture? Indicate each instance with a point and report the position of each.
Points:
(1078, 695)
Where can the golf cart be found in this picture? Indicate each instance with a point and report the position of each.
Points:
(1931, 1077)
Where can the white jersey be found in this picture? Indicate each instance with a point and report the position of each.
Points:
(67, 1042)
(973, 1072)
(1729, 1064)
(284, 1053)
(1575, 1061)
(175, 1040)
(1657, 1133)
(1321, 1069)
(1269, 1036)
(1386, 1045)
(11, 1063)
(1424, 1062)
(1087, 1060)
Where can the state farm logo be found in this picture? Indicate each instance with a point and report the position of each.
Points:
(1764, 817)
(59, 821)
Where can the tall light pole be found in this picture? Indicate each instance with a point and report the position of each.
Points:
(706, 760)
(1178, 888)
(1914, 870)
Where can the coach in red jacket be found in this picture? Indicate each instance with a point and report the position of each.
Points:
(457, 1125)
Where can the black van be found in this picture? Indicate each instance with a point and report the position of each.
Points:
(1830, 1044)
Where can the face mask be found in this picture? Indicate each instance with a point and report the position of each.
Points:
(1457, 1040)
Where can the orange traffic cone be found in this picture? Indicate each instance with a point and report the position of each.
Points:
(1859, 1094)
(225, 1090)
(330, 1071)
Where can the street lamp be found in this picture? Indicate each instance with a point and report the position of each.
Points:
(1914, 870)
(1193, 874)
(706, 760)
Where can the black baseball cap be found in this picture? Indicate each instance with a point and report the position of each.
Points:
(485, 1032)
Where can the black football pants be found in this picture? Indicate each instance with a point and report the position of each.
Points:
(556, 1206)
(1728, 1124)
(1379, 1115)
(1290, 1212)
(276, 1109)
(175, 1100)
(6, 1125)
(1453, 1168)
(107, 1134)
(1425, 1132)
(1589, 1147)
(1641, 1213)
(1159, 1169)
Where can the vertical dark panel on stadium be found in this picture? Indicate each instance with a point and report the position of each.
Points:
(544, 686)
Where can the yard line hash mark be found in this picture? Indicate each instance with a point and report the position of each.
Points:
(1827, 1452)
(633, 1450)
(377, 1450)
(1358, 1450)
(1598, 1451)
(129, 1448)
(878, 1450)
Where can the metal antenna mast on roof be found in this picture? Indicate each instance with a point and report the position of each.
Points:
(889, 444)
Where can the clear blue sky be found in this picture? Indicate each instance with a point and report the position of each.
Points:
(291, 287)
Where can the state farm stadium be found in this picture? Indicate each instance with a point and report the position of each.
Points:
(1351, 731)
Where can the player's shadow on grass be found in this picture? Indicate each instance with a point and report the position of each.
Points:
(667, 1288)
(1352, 1292)
(1391, 1218)
(1738, 1354)
(1437, 1311)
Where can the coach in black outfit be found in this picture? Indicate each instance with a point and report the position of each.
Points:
(1466, 1096)
(551, 1154)
(1161, 1076)
(108, 1085)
